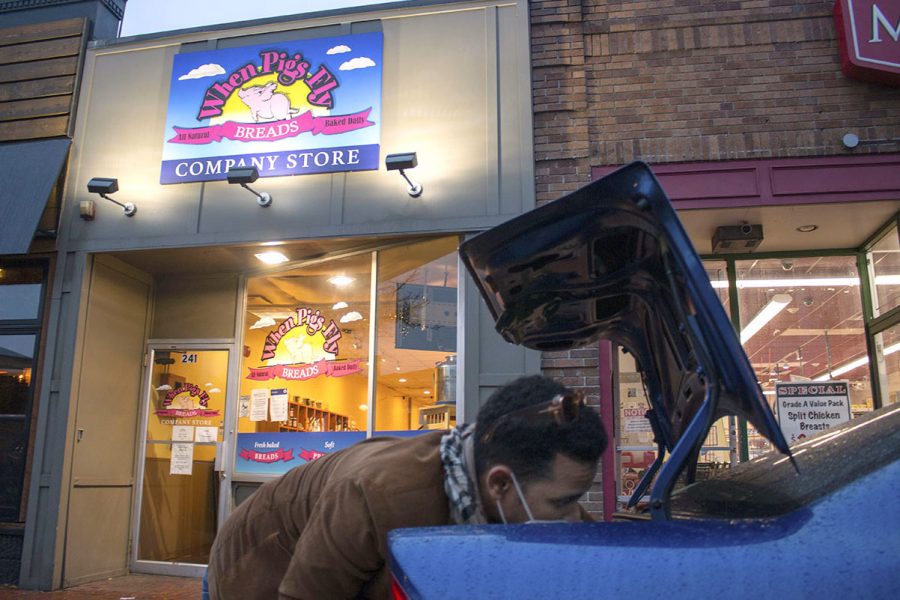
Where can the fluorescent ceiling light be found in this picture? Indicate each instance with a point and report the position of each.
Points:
(340, 280)
(853, 364)
(272, 257)
(809, 282)
(402, 380)
(775, 306)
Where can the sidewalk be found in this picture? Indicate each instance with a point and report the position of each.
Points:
(128, 587)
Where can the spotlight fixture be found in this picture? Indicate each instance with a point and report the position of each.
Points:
(244, 175)
(103, 186)
(401, 162)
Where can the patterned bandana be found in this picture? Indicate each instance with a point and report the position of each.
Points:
(460, 482)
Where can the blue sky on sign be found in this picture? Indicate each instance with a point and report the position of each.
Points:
(152, 16)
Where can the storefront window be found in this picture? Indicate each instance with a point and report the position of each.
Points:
(884, 265)
(801, 321)
(717, 272)
(887, 344)
(20, 292)
(416, 344)
(304, 388)
(304, 369)
(636, 449)
(16, 363)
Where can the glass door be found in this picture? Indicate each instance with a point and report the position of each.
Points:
(183, 430)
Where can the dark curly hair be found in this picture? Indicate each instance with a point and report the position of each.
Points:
(527, 445)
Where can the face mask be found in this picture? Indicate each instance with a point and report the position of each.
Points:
(531, 520)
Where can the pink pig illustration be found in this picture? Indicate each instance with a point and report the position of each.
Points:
(265, 104)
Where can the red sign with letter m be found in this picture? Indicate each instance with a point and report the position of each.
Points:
(869, 36)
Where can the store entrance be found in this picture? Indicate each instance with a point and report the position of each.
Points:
(177, 512)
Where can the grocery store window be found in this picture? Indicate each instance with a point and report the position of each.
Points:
(884, 269)
(636, 450)
(887, 351)
(801, 321)
(21, 292)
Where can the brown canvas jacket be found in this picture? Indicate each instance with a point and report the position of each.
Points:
(320, 531)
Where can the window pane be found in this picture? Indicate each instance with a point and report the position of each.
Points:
(416, 344)
(888, 347)
(801, 320)
(13, 443)
(717, 272)
(16, 360)
(304, 372)
(884, 262)
(20, 292)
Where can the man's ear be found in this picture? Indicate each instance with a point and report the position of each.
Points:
(499, 481)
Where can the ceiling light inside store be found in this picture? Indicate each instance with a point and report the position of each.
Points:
(402, 380)
(272, 257)
(811, 282)
(426, 392)
(363, 407)
(853, 364)
(272, 244)
(775, 306)
(340, 280)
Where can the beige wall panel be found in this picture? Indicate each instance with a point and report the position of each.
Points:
(433, 101)
(120, 134)
(195, 307)
(108, 400)
(102, 547)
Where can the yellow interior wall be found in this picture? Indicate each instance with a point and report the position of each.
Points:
(339, 395)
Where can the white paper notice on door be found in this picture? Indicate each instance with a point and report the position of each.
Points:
(182, 458)
(182, 433)
(259, 404)
(244, 407)
(205, 434)
(278, 405)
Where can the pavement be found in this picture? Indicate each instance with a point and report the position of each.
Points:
(127, 587)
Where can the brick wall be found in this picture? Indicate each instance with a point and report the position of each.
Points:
(689, 80)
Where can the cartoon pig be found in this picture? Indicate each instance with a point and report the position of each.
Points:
(265, 104)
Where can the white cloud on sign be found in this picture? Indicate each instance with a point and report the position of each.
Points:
(338, 49)
(360, 62)
(263, 322)
(207, 70)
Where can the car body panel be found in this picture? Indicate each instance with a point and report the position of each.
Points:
(839, 537)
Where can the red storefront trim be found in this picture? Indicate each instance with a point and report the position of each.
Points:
(774, 182)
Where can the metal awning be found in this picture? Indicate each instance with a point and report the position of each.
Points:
(28, 171)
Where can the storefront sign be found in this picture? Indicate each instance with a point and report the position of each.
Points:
(869, 37)
(277, 453)
(304, 371)
(287, 108)
(804, 409)
(188, 400)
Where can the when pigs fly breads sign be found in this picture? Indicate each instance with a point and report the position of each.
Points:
(186, 400)
(304, 348)
(287, 108)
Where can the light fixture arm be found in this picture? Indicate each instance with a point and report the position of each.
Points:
(128, 208)
(415, 190)
(262, 198)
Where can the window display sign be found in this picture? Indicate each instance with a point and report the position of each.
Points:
(302, 347)
(277, 453)
(804, 409)
(286, 108)
(186, 400)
